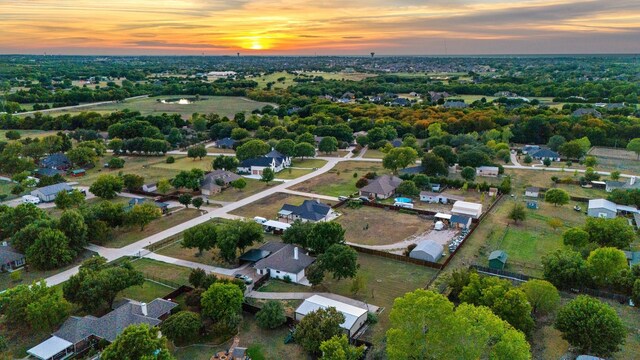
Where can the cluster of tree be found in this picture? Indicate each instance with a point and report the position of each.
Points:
(325, 239)
(23, 155)
(229, 237)
(625, 197)
(319, 332)
(33, 306)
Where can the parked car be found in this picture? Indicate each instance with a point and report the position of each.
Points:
(343, 198)
(364, 199)
(247, 280)
(30, 199)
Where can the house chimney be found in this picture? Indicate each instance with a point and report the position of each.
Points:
(295, 253)
(143, 308)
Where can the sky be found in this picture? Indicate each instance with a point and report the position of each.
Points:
(319, 27)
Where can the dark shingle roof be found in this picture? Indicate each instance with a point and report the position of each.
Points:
(226, 142)
(275, 154)
(460, 219)
(261, 161)
(226, 176)
(9, 254)
(57, 160)
(545, 153)
(283, 260)
(309, 210)
(54, 189)
(48, 172)
(382, 185)
(109, 326)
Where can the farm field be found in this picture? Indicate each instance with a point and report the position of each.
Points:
(340, 180)
(385, 280)
(221, 105)
(129, 235)
(269, 206)
(373, 226)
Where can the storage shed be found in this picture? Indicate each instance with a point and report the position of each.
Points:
(427, 250)
(474, 210)
(48, 193)
(497, 259)
(354, 317)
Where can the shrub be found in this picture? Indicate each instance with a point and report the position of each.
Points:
(171, 160)
(371, 175)
(362, 182)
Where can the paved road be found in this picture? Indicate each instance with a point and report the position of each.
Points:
(79, 106)
(514, 158)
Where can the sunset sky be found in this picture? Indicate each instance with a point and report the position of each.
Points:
(323, 27)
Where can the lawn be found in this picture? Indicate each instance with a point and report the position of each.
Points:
(27, 277)
(269, 206)
(373, 154)
(373, 226)
(340, 180)
(270, 342)
(229, 195)
(140, 165)
(185, 163)
(290, 173)
(160, 271)
(308, 163)
(339, 153)
(221, 105)
(27, 133)
(216, 150)
(146, 293)
(129, 235)
(385, 280)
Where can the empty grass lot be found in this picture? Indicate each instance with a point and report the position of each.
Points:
(385, 280)
(373, 226)
(141, 165)
(288, 174)
(129, 235)
(221, 105)
(253, 187)
(340, 180)
(216, 150)
(308, 163)
(27, 133)
(373, 154)
(211, 257)
(146, 293)
(268, 207)
(159, 271)
(185, 163)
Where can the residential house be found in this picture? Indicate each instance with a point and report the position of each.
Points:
(455, 105)
(632, 184)
(256, 166)
(40, 172)
(310, 210)
(10, 258)
(275, 154)
(532, 192)
(441, 198)
(543, 154)
(78, 172)
(528, 149)
(465, 208)
(602, 208)
(354, 317)
(226, 143)
(285, 261)
(587, 112)
(506, 94)
(58, 161)
(49, 193)
(497, 260)
(435, 96)
(489, 171)
(401, 102)
(152, 187)
(427, 250)
(164, 207)
(217, 180)
(382, 187)
(79, 333)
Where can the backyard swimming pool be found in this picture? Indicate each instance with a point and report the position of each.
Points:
(403, 200)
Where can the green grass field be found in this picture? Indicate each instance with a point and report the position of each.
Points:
(221, 105)
(159, 271)
(146, 293)
(288, 174)
(308, 163)
(229, 195)
(373, 154)
(27, 133)
(185, 163)
(340, 180)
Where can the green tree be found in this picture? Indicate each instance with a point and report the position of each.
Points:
(340, 260)
(325, 234)
(138, 342)
(338, 348)
(229, 163)
(143, 214)
(298, 233)
(197, 151)
(12, 135)
(446, 153)
(328, 144)
(614, 232)
(132, 182)
(591, 326)
(408, 188)
(34, 305)
(517, 213)
(434, 165)
(422, 181)
(239, 184)
(267, 175)
(271, 315)
(468, 173)
(306, 138)
(590, 161)
(116, 163)
(65, 200)
(181, 327)
(223, 304)
(252, 149)
(50, 250)
(615, 175)
(515, 309)
(318, 326)
(197, 202)
(72, 224)
(576, 238)
(399, 158)
(82, 157)
(202, 237)
(555, 142)
(528, 159)
(572, 150)
(565, 269)
(305, 149)
(315, 274)
(185, 199)
(542, 295)
(546, 162)
(425, 325)
(106, 186)
(163, 186)
(286, 147)
(188, 179)
(556, 197)
(634, 145)
(605, 264)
